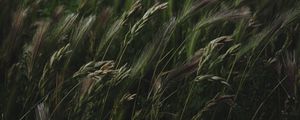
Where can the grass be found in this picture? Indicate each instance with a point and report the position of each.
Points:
(143, 59)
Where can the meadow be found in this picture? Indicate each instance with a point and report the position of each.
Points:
(149, 59)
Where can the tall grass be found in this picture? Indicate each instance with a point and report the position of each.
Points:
(142, 59)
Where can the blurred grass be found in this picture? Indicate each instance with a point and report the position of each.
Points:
(143, 59)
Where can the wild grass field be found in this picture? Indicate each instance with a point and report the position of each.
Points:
(149, 59)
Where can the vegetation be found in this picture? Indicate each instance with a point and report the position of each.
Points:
(149, 59)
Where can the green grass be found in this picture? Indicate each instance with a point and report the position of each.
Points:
(149, 59)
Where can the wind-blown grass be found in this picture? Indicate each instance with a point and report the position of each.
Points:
(142, 59)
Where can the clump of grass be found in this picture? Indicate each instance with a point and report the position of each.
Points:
(162, 59)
